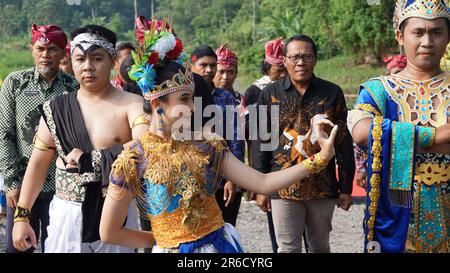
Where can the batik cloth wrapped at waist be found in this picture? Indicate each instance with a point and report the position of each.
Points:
(72, 186)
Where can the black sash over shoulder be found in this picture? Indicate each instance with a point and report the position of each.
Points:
(65, 122)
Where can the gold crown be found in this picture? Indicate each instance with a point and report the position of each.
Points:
(180, 81)
(427, 9)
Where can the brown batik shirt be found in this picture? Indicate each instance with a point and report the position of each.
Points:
(295, 113)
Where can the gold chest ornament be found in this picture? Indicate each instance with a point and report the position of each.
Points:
(423, 103)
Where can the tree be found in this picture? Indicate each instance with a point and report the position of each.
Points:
(363, 28)
(10, 25)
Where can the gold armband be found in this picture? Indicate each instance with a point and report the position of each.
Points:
(21, 219)
(315, 163)
(141, 119)
(40, 145)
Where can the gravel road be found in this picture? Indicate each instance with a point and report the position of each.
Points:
(346, 236)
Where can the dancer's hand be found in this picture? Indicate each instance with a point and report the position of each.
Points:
(326, 142)
(23, 236)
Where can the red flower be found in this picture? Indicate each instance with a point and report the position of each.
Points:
(175, 53)
(153, 59)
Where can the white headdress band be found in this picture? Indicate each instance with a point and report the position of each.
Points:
(86, 40)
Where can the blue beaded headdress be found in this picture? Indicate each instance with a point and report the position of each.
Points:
(427, 9)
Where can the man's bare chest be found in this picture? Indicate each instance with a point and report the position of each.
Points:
(107, 127)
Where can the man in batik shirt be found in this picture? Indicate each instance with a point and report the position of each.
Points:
(20, 95)
(301, 99)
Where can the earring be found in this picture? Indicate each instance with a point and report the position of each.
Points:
(160, 111)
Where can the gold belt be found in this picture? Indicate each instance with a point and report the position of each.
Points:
(431, 173)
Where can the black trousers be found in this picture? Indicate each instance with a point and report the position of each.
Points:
(231, 212)
(273, 239)
(39, 221)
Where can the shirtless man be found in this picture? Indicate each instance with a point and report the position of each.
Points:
(79, 127)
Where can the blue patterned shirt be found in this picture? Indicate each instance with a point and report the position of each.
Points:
(222, 98)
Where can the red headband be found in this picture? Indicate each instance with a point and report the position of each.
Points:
(225, 56)
(274, 52)
(49, 34)
(395, 61)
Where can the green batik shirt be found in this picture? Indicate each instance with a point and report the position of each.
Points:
(21, 93)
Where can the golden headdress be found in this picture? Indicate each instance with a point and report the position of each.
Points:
(427, 9)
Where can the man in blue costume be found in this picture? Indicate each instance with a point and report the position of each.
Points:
(402, 120)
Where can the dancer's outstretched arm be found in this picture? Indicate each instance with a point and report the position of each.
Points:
(252, 180)
(115, 211)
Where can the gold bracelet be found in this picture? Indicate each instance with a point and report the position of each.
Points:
(41, 145)
(22, 214)
(22, 206)
(315, 163)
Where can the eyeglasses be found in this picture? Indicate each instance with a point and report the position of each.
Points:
(293, 59)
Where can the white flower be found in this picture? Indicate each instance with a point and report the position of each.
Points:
(164, 45)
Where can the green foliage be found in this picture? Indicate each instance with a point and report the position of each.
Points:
(362, 28)
(10, 27)
(14, 55)
(286, 25)
(339, 27)
(347, 72)
(17, 16)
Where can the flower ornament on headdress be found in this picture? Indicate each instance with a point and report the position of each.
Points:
(164, 44)
(426, 9)
(142, 25)
(158, 44)
(144, 76)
